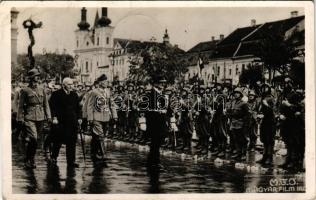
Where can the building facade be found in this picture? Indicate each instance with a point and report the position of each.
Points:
(239, 49)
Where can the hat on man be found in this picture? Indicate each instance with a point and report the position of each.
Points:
(33, 72)
(103, 77)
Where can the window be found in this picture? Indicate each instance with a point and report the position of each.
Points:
(87, 43)
(243, 67)
(97, 64)
(107, 40)
(87, 66)
(77, 43)
(230, 71)
(236, 70)
(213, 77)
(218, 70)
(98, 41)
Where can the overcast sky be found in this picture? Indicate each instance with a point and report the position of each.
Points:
(186, 26)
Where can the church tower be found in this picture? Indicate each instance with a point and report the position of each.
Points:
(103, 43)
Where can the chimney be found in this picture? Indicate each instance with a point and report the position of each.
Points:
(294, 13)
(213, 38)
(253, 22)
(104, 12)
(176, 46)
(221, 36)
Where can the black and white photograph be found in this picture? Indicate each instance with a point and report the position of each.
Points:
(127, 99)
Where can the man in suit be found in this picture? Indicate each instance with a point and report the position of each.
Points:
(32, 110)
(100, 109)
(66, 116)
(156, 120)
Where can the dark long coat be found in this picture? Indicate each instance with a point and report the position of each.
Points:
(67, 110)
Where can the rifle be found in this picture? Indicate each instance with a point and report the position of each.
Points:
(82, 143)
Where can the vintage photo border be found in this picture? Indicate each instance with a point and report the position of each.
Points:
(5, 102)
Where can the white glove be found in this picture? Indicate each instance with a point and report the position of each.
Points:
(55, 121)
(282, 117)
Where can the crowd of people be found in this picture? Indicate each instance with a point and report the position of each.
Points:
(220, 119)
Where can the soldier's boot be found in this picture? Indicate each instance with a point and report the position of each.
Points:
(30, 154)
(221, 151)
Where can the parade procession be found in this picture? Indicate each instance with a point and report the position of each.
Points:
(223, 109)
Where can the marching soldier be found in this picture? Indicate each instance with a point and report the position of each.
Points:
(33, 109)
(100, 109)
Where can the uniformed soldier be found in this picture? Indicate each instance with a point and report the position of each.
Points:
(33, 109)
(253, 126)
(100, 110)
(291, 127)
(239, 124)
(267, 125)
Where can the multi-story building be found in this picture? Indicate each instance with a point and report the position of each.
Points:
(124, 51)
(97, 52)
(239, 49)
(200, 55)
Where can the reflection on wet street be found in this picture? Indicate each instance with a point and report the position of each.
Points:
(127, 173)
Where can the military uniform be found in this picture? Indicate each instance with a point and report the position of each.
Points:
(156, 124)
(100, 109)
(239, 125)
(32, 110)
(253, 124)
(267, 128)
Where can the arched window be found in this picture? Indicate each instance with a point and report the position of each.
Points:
(87, 66)
(87, 43)
(98, 41)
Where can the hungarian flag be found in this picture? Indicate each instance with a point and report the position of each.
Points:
(201, 63)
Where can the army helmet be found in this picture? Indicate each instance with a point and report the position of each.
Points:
(238, 90)
(33, 72)
(252, 93)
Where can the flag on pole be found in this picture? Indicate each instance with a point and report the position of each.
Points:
(201, 65)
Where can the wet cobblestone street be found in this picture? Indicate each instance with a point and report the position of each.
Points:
(127, 173)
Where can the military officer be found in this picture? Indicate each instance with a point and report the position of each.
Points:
(100, 110)
(156, 120)
(32, 110)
